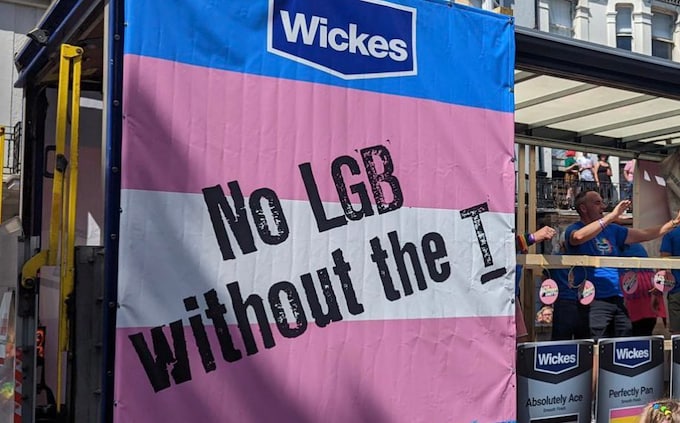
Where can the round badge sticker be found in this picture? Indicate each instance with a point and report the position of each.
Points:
(629, 282)
(548, 292)
(586, 293)
(664, 280)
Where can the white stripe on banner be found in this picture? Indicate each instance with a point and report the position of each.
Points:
(169, 253)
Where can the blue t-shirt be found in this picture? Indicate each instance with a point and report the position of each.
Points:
(671, 244)
(561, 276)
(609, 242)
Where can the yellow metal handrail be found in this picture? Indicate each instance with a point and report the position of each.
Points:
(71, 56)
(61, 247)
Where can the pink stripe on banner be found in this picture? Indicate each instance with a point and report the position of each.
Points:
(434, 370)
(188, 127)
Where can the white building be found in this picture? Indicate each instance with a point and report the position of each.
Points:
(650, 28)
(17, 18)
(641, 26)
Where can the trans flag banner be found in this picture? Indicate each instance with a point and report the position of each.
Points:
(317, 213)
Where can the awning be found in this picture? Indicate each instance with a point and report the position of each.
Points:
(593, 95)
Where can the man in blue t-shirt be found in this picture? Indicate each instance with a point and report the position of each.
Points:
(670, 246)
(597, 235)
(570, 317)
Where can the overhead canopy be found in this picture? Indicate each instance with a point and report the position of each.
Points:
(566, 90)
(597, 96)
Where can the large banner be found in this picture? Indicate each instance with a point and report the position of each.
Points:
(317, 213)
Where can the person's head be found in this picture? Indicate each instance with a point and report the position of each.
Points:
(662, 411)
(589, 206)
(571, 153)
(603, 157)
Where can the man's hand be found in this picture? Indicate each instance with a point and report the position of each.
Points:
(621, 208)
(545, 233)
(676, 221)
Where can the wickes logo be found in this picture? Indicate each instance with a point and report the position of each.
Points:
(351, 39)
(632, 354)
(556, 359)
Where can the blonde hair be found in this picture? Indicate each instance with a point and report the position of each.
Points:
(662, 411)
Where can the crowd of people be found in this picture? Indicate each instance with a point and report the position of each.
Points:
(625, 301)
(585, 173)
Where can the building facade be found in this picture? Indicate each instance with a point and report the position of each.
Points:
(640, 26)
(650, 28)
(17, 18)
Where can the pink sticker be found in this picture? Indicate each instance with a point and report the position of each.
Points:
(548, 292)
(586, 293)
(629, 282)
(664, 280)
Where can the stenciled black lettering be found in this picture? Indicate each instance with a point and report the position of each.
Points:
(322, 222)
(378, 179)
(320, 318)
(216, 312)
(379, 257)
(241, 311)
(359, 189)
(474, 213)
(237, 219)
(267, 235)
(341, 269)
(285, 328)
(157, 369)
(197, 327)
(399, 252)
(434, 248)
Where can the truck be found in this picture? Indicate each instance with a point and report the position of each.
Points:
(255, 211)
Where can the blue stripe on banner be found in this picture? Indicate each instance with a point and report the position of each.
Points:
(456, 54)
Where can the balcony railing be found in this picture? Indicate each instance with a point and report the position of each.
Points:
(12, 157)
(556, 193)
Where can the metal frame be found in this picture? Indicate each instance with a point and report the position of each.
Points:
(113, 110)
(535, 52)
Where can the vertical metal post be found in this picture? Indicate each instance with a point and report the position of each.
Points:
(60, 144)
(521, 189)
(71, 56)
(113, 80)
(533, 196)
(2, 165)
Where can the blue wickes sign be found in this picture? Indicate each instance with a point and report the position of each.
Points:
(556, 359)
(351, 39)
(632, 354)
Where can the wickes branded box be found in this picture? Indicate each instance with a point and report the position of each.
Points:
(554, 381)
(630, 375)
(675, 366)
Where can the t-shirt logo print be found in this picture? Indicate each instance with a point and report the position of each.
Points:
(604, 247)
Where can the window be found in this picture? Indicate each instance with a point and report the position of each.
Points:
(562, 17)
(624, 27)
(662, 35)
